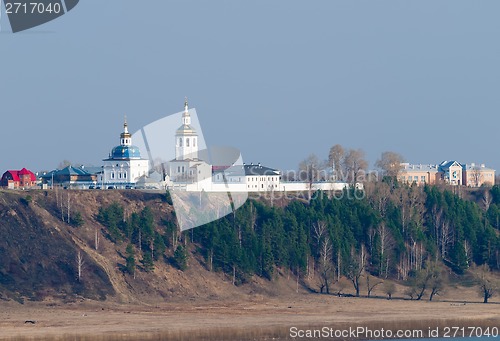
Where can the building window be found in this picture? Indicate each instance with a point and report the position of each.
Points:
(194, 142)
(422, 178)
(125, 175)
(180, 142)
(112, 175)
(178, 169)
(187, 142)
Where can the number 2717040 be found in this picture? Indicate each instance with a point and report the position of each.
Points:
(32, 8)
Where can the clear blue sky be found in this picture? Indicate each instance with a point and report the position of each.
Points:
(277, 79)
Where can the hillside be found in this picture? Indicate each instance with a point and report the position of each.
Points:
(39, 253)
(123, 246)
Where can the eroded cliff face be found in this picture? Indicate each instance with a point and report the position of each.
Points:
(43, 257)
(38, 253)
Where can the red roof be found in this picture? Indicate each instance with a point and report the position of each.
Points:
(15, 174)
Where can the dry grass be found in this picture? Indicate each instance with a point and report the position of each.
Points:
(258, 318)
(270, 333)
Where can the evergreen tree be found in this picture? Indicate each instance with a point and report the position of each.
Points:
(180, 257)
(147, 262)
(130, 266)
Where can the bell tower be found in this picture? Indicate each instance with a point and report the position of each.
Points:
(186, 138)
(125, 137)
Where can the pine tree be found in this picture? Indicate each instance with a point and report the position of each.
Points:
(130, 259)
(180, 257)
(147, 262)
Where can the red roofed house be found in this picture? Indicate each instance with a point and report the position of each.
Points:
(14, 179)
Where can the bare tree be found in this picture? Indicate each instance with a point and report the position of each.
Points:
(386, 243)
(488, 285)
(355, 165)
(476, 177)
(96, 237)
(468, 252)
(310, 169)
(389, 289)
(69, 208)
(370, 285)
(320, 231)
(390, 164)
(325, 249)
(487, 199)
(325, 265)
(79, 264)
(356, 267)
(63, 164)
(380, 196)
(437, 279)
(445, 238)
(335, 159)
(418, 285)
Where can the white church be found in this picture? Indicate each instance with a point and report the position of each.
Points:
(124, 165)
(191, 169)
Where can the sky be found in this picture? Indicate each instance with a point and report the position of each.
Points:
(278, 80)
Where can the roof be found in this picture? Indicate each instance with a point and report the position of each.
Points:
(186, 130)
(70, 170)
(16, 173)
(91, 169)
(408, 168)
(259, 170)
(473, 166)
(447, 164)
(153, 177)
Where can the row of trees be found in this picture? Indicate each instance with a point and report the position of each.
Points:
(411, 234)
(398, 232)
(143, 237)
(347, 165)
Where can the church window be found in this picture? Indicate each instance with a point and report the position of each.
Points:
(194, 142)
(178, 169)
(187, 142)
(180, 142)
(112, 175)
